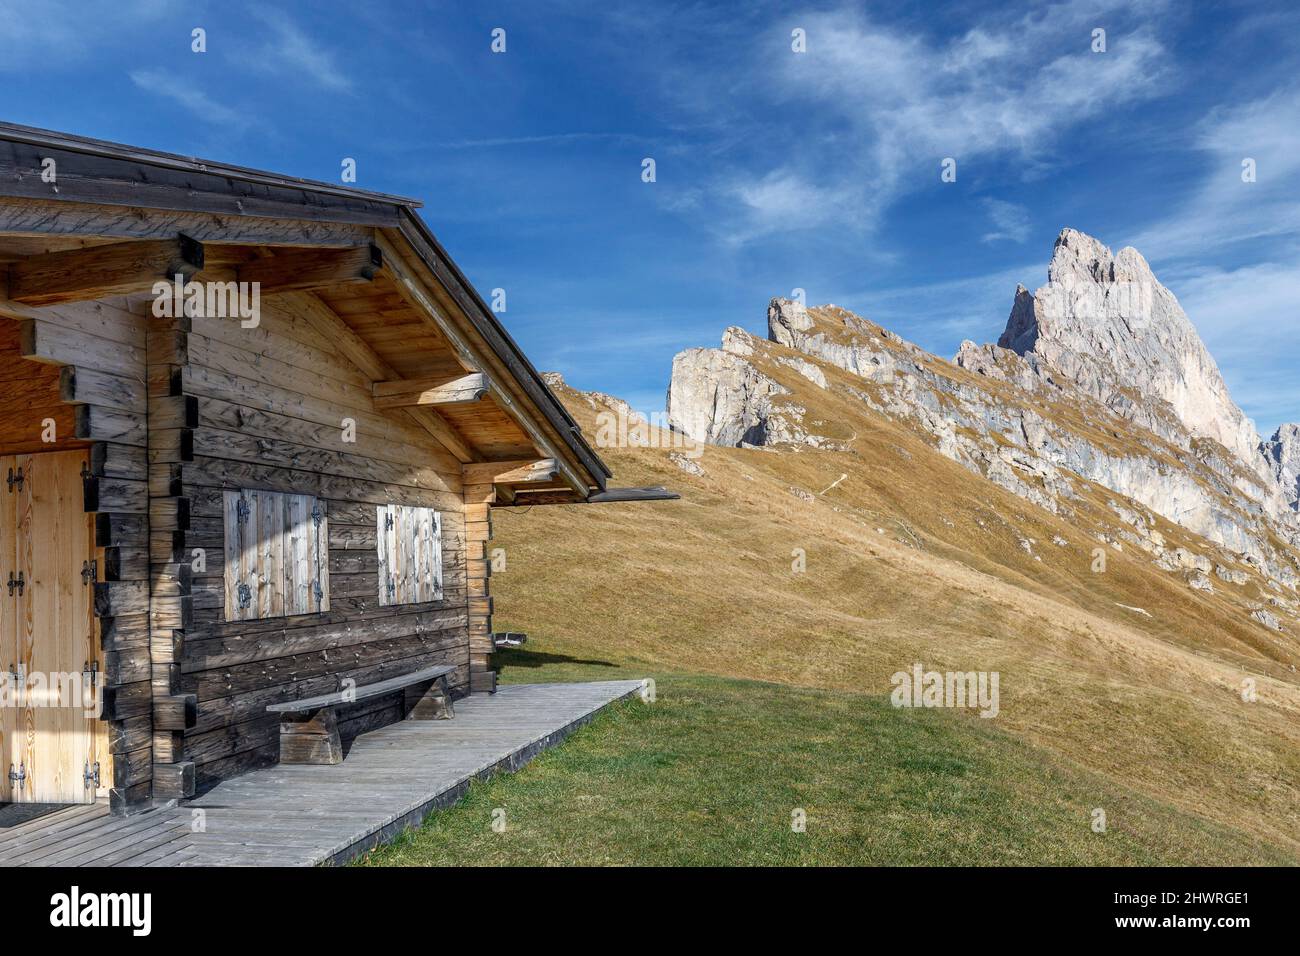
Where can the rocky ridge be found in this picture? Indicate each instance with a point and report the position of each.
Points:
(1099, 379)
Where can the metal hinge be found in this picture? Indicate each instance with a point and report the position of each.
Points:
(16, 582)
(388, 522)
(15, 479)
(91, 776)
(17, 776)
(242, 510)
(245, 595)
(90, 672)
(392, 588)
(320, 594)
(316, 513)
(89, 572)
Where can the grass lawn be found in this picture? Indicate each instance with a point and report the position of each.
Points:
(642, 784)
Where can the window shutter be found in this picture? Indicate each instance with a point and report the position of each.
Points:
(276, 555)
(409, 546)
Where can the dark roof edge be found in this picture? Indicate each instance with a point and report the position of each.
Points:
(99, 147)
(424, 243)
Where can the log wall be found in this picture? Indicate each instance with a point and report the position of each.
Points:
(272, 408)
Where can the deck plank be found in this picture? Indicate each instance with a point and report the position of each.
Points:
(302, 815)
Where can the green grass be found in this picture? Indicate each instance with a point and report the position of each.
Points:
(711, 772)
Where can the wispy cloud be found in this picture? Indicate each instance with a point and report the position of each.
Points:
(1010, 221)
(882, 108)
(54, 33)
(193, 99)
(1225, 209)
(289, 51)
(548, 139)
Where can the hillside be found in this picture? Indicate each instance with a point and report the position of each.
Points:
(1134, 673)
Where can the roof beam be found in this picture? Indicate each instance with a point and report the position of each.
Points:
(430, 392)
(519, 472)
(298, 270)
(119, 268)
(414, 291)
(325, 321)
(548, 496)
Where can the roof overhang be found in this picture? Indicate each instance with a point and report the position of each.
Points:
(222, 203)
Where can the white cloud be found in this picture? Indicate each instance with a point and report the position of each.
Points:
(1224, 209)
(195, 100)
(1010, 221)
(882, 108)
(289, 51)
(54, 33)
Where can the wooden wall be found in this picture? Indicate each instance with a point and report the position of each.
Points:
(83, 365)
(266, 408)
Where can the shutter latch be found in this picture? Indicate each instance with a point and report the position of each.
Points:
(242, 510)
(245, 595)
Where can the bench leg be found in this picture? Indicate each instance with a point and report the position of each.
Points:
(433, 703)
(310, 738)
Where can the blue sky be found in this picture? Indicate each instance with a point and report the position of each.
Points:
(775, 170)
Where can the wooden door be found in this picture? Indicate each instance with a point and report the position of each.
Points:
(9, 700)
(60, 745)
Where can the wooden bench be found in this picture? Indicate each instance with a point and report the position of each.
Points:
(312, 730)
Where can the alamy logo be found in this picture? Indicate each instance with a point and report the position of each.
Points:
(74, 909)
(212, 300)
(963, 689)
(58, 689)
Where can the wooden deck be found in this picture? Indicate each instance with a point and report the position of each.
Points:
(305, 815)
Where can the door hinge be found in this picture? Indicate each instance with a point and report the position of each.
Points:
(242, 510)
(91, 776)
(15, 479)
(89, 571)
(245, 595)
(16, 582)
(17, 776)
(90, 672)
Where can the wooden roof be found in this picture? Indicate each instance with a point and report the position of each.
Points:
(415, 315)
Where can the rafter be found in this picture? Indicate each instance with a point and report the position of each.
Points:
(430, 392)
(516, 472)
(297, 270)
(324, 320)
(119, 268)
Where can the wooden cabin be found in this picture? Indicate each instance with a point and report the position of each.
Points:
(252, 431)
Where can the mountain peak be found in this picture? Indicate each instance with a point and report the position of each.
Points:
(1106, 322)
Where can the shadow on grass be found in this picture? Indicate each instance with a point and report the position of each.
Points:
(513, 657)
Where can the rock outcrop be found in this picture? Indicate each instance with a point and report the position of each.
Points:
(719, 398)
(1282, 452)
(1107, 324)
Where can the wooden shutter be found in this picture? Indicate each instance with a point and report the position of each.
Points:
(409, 545)
(276, 555)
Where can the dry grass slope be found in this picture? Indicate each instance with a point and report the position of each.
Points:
(911, 558)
